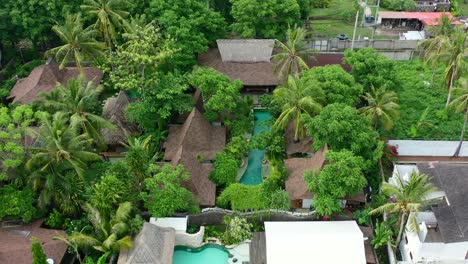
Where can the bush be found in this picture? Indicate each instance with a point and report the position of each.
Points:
(242, 197)
(362, 216)
(38, 255)
(237, 230)
(17, 204)
(55, 219)
(399, 5)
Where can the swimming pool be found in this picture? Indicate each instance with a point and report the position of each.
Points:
(207, 254)
(253, 173)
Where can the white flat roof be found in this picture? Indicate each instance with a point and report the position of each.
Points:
(314, 242)
(429, 148)
(178, 223)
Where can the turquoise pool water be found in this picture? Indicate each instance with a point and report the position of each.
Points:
(253, 173)
(207, 254)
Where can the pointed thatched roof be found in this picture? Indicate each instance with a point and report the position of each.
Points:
(295, 184)
(153, 245)
(44, 79)
(196, 138)
(114, 111)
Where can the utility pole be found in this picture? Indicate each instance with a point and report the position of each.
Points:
(354, 32)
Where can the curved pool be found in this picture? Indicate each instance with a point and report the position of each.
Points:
(207, 254)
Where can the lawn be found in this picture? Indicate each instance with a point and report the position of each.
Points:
(463, 8)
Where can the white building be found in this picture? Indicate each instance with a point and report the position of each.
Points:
(442, 235)
(333, 242)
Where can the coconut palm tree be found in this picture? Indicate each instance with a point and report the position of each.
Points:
(406, 197)
(382, 107)
(79, 43)
(291, 60)
(110, 234)
(297, 97)
(453, 52)
(110, 15)
(58, 161)
(77, 99)
(60, 146)
(460, 105)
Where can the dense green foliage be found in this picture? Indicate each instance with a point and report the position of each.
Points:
(38, 255)
(13, 125)
(237, 230)
(399, 5)
(342, 127)
(18, 204)
(164, 194)
(370, 68)
(264, 18)
(422, 107)
(191, 23)
(220, 94)
(342, 176)
(338, 85)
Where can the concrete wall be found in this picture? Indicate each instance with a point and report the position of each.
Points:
(190, 240)
(245, 50)
(379, 44)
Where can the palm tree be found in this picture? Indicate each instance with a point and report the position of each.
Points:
(297, 97)
(444, 26)
(60, 146)
(110, 15)
(451, 50)
(138, 158)
(79, 43)
(405, 198)
(382, 107)
(58, 162)
(460, 105)
(293, 55)
(110, 234)
(77, 99)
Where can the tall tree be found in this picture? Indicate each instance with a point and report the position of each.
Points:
(342, 127)
(138, 158)
(407, 197)
(339, 86)
(220, 94)
(382, 107)
(79, 43)
(134, 65)
(292, 59)
(13, 125)
(110, 15)
(165, 195)
(78, 99)
(453, 52)
(297, 98)
(264, 18)
(460, 105)
(192, 23)
(110, 234)
(58, 162)
(342, 176)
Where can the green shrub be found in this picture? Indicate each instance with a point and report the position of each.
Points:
(55, 219)
(237, 230)
(362, 216)
(38, 255)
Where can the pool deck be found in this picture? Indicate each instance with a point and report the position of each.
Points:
(241, 252)
(257, 248)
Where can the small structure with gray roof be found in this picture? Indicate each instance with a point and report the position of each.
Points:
(429, 150)
(153, 245)
(442, 235)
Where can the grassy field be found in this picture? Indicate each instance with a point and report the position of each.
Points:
(463, 8)
(338, 18)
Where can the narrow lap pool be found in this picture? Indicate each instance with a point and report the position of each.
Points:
(207, 254)
(253, 173)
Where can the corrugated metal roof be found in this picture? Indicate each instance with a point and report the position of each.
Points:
(428, 148)
(427, 18)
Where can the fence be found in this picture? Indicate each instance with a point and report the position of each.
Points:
(215, 216)
(331, 45)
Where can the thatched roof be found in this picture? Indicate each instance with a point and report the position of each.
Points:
(296, 147)
(153, 245)
(251, 74)
(114, 111)
(44, 79)
(196, 138)
(15, 243)
(295, 184)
